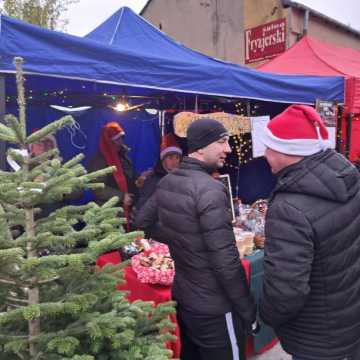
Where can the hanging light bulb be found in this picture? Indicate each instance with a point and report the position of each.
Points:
(121, 106)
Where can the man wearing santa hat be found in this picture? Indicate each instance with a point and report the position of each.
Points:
(311, 286)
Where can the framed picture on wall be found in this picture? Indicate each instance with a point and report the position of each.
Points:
(225, 179)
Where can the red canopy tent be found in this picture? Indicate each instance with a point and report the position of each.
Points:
(310, 56)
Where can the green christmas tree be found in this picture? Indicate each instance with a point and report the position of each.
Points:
(59, 306)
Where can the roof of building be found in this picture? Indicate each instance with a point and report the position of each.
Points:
(145, 7)
(297, 5)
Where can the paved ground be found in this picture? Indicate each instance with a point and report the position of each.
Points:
(276, 353)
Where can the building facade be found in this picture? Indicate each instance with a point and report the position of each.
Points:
(245, 31)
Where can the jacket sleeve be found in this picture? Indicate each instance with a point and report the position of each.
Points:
(215, 222)
(287, 264)
(147, 216)
(146, 191)
(147, 219)
(103, 195)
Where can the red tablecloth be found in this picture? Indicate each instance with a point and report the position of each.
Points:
(160, 294)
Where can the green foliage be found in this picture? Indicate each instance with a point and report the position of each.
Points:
(54, 303)
(45, 13)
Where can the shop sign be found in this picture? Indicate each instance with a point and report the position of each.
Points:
(265, 41)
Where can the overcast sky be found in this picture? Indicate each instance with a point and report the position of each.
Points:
(87, 14)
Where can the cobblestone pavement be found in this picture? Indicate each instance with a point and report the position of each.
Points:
(276, 353)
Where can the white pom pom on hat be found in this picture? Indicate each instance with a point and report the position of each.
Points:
(169, 146)
(299, 130)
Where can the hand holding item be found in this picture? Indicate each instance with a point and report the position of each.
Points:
(128, 199)
(144, 175)
(139, 182)
(259, 241)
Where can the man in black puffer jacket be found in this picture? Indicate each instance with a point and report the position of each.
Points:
(190, 210)
(311, 288)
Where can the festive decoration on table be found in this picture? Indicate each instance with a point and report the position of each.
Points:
(244, 241)
(252, 218)
(136, 247)
(154, 266)
(234, 124)
(259, 209)
(54, 304)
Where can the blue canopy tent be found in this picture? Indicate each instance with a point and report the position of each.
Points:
(54, 54)
(128, 56)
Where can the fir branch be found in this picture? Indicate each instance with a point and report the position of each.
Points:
(8, 282)
(58, 181)
(12, 337)
(16, 126)
(22, 301)
(99, 173)
(14, 254)
(7, 176)
(50, 129)
(7, 134)
(74, 161)
(47, 239)
(47, 281)
(112, 242)
(17, 156)
(95, 186)
(10, 196)
(55, 261)
(43, 159)
(6, 236)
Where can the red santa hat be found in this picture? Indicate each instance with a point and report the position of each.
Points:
(113, 130)
(299, 130)
(169, 146)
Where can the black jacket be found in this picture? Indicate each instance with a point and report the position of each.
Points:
(111, 188)
(150, 185)
(190, 210)
(311, 289)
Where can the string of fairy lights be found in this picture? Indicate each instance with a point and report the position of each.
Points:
(241, 144)
(61, 96)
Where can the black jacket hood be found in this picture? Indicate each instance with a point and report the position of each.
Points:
(312, 175)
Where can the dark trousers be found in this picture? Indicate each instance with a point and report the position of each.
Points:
(211, 338)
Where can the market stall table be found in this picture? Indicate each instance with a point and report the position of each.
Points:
(253, 266)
